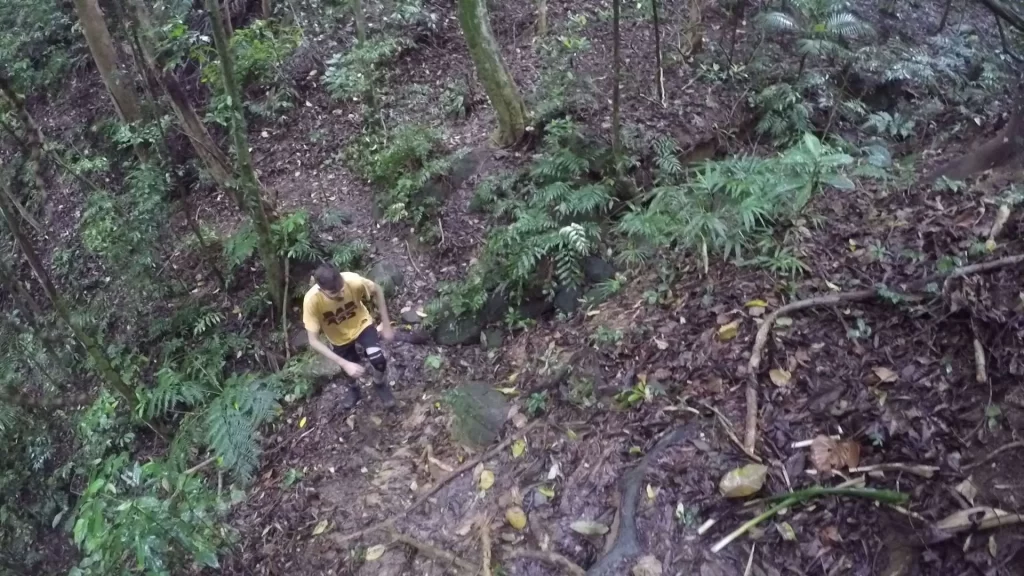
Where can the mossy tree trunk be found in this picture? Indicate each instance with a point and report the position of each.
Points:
(616, 82)
(490, 67)
(360, 19)
(119, 86)
(101, 362)
(247, 191)
(542, 18)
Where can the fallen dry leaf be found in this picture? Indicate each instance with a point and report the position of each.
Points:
(516, 517)
(830, 535)
(374, 552)
(518, 447)
(755, 311)
(588, 528)
(744, 481)
(780, 377)
(885, 375)
(652, 492)
(486, 479)
(302, 423)
(968, 490)
(320, 527)
(756, 304)
(784, 321)
(786, 531)
(828, 454)
(647, 566)
(729, 331)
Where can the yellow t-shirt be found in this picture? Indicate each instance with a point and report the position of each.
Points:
(342, 320)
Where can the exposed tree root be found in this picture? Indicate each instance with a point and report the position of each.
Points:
(434, 552)
(553, 558)
(468, 465)
(627, 543)
(761, 339)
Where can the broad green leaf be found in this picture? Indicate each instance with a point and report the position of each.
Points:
(744, 481)
(518, 447)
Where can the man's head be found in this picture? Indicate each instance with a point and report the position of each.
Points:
(329, 280)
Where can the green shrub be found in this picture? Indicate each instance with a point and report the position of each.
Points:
(357, 72)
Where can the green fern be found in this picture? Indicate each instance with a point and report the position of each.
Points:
(232, 421)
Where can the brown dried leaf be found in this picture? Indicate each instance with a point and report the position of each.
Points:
(744, 481)
(885, 375)
(780, 377)
(968, 490)
(828, 454)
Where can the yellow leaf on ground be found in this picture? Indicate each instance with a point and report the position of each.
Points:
(516, 517)
(756, 304)
(508, 391)
(320, 527)
(518, 447)
(729, 331)
(744, 481)
(548, 492)
(885, 375)
(302, 423)
(486, 479)
(780, 377)
(652, 492)
(786, 531)
(589, 528)
(374, 552)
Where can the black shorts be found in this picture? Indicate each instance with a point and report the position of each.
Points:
(368, 338)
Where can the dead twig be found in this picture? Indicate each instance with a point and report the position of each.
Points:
(201, 465)
(433, 551)
(915, 469)
(485, 542)
(412, 260)
(980, 373)
(731, 432)
(553, 558)
(468, 465)
(761, 339)
(996, 452)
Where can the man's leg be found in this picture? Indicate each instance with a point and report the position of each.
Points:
(352, 395)
(369, 340)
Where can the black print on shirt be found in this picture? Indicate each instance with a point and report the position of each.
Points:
(341, 314)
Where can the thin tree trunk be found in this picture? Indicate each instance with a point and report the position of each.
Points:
(229, 29)
(99, 358)
(120, 87)
(268, 9)
(616, 81)
(360, 19)
(659, 79)
(33, 136)
(490, 67)
(542, 18)
(737, 16)
(945, 17)
(216, 162)
(248, 194)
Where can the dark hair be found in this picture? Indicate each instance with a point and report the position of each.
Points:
(328, 277)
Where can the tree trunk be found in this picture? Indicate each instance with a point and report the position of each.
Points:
(360, 19)
(229, 28)
(120, 87)
(33, 136)
(1006, 13)
(216, 162)
(659, 75)
(268, 9)
(616, 81)
(490, 67)
(945, 17)
(542, 18)
(247, 190)
(99, 358)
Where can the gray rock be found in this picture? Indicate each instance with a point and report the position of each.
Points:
(388, 276)
(567, 300)
(492, 339)
(411, 317)
(478, 414)
(647, 566)
(597, 270)
(457, 331)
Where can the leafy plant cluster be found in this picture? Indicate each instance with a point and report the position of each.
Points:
(296, 238)
(407, 168)
(548, 221)
(725, 206)
(359, 72)
(40, 44)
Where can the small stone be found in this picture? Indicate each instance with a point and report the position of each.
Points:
(411, 317)
(647, 566)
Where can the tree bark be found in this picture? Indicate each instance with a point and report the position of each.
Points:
(268, 9)
(945, 17)
(1006, 13)
(360, 19)
(542, 18)
(206, 149)
(616, 81)
(247, 190)
(490, 67)
(659, 79)
(99, 358)
(33, 141)
(120, 88)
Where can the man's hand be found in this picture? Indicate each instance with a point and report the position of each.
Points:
(351, 368)
(386, 332)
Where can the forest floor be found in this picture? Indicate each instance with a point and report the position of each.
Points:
(900, 379)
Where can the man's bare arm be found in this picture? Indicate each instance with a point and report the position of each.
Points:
(385, 320)
(350, 368)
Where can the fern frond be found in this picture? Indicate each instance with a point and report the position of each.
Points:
(779, 22)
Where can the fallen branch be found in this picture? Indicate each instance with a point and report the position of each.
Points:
(468, 465)
(627, 544)
(761, 339)
(980, 373)
(915, 469)
(553, 558)
(996, 452)
(434, 552)
(485, 543)
(792, 498)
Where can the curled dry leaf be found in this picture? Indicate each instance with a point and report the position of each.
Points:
(885, 375)
(744, 481)
(320, 527)
(516, 517)
(374, 552)
(588, 528)
(786, 531)
(780, 377)
(968, 490)
(828, 454)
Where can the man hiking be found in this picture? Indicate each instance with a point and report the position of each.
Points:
(334, 306)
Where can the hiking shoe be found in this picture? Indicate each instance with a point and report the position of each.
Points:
(384, 393)
(350, 398)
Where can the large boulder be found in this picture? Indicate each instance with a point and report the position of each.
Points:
(597, 270)
(478, 414)
(567, 300)
(387, 275)
(455, 331)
